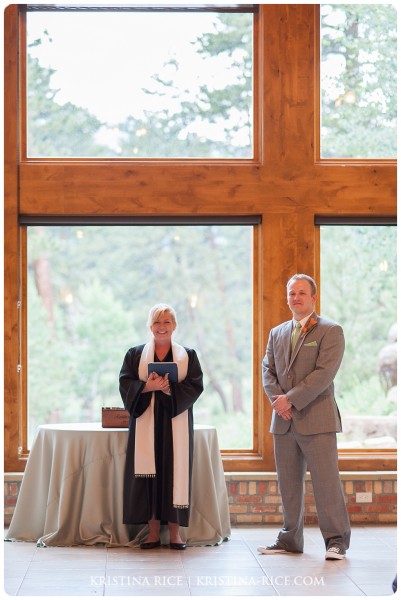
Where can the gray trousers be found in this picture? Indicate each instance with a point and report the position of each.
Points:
(294, 453)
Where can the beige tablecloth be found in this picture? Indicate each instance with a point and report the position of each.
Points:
(72, 490)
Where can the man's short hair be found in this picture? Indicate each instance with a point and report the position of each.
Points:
(307, 278)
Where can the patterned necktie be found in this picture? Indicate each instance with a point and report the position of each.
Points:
(296, 332)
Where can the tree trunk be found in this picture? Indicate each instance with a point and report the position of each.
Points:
(42, 272)
(237, 400)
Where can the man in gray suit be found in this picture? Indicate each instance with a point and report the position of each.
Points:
(302, 358)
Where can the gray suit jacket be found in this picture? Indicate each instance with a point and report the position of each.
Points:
(306, 377)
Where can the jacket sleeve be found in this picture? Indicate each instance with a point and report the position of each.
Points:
(269, 373)
(331, 351)
(131, 386)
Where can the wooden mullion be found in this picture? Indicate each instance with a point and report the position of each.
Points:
(11, 242)
(316, 84)
(22, 87)
(23, 450)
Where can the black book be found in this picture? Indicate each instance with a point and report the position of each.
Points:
(161, 368)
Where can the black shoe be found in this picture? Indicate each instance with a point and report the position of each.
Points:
(149, 545)
(177, 546)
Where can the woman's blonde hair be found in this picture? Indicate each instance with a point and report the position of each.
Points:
(159, 309)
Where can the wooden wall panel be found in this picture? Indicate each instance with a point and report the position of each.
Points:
(11, 245)
(284, 184)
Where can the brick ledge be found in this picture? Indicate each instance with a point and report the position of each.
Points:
(270, 475)
(344, 475)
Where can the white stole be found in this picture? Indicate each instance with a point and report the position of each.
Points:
(144, 464)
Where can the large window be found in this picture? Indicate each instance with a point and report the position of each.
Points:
(358, 81)
(140, 83)
(67, 165)
(358, 290)
(89, 292)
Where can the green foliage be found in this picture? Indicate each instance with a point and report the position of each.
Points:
(103, 282)
(228, 108)
(362, 39)
(358, 290)
(223, 114)
(53, 129)
(366, 398)
(46, 366)
(73, 361)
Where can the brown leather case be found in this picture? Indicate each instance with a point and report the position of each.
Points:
(114, 417)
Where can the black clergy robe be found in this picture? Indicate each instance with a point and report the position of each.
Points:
(147, 497)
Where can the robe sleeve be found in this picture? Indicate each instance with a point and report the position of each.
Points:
(185, 393)
(131, 386)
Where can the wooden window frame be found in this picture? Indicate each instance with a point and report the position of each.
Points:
(286, 184)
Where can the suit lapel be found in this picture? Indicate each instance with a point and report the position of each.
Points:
(287, 342)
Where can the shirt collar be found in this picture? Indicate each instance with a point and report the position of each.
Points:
(302, 321)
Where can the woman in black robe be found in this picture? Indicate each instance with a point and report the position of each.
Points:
(158, 468)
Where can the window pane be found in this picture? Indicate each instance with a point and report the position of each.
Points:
(358, 81)
(358, 290)
(89, 292)
(139, 84)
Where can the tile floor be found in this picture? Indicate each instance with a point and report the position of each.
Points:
(234, 568)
